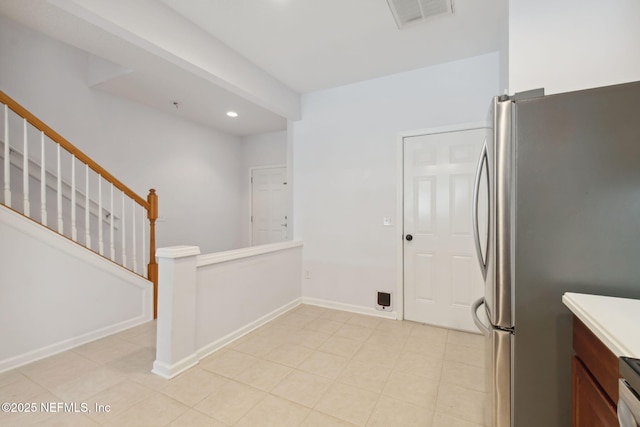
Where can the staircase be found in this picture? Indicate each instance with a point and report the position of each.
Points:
(57, 203)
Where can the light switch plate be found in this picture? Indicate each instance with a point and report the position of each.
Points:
(386, 221)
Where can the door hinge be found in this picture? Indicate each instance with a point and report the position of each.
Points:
(251, 218)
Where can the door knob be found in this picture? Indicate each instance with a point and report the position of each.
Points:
(409, 237)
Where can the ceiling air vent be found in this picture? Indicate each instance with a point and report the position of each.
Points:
(408, 12)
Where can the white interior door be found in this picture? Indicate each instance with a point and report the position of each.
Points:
(269, 205)
(441, 273)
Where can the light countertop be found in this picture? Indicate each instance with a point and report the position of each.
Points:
(615, 321)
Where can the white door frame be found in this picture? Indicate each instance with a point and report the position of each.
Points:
(399, 298)
(251, 169)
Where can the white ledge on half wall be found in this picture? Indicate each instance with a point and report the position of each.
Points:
(177, 251)
(218, 257)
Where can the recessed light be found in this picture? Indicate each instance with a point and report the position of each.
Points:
(232, 114)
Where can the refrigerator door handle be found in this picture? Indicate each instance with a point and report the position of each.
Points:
(482, 163)
(474, 313)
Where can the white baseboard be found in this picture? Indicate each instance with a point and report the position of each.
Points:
(351, 308)
(229, 338)
(59, 347)
(169, 371)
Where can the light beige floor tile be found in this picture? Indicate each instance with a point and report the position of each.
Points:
(21, 419)
(67, 420)
(340, 346)
(258, 345)
(310, 310)
(371, 353)
(308, 338)
(52, 363)
(294, 320)
(363, 320)
(230, 402)
(156, 410)
(289, 354)
(464, 375)
(263, 375)
(143, 335)
(463, 354)
(318, 419)
(348, 403)
(230, 363)
(354, 332)
(278, 334)
(351, 369)
(117, 399)
(444, 420)
(396, 327)
(193, 418)
(22, 390)
(337, 315)
(88, 384)
(365, 375)
(302, 387)
(274, 412)
(395, 413)
(193, 386)
(463, 403)
(387, 339)
(140, 361)
(429, 333)
(9, 377)
(466, 339)
(137, 367)
(424, 364)
(58, 369)
(106, 349)
(326, 326)
(412, 389)
(324, 364)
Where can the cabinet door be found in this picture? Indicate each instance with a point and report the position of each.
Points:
(591, 407)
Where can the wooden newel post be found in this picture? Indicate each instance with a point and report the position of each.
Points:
(152, 270)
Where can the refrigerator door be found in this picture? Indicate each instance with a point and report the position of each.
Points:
(577, 230)
(498, 369)
(495, 171)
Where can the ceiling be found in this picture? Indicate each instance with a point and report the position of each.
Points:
(307, 45)
(311, 45)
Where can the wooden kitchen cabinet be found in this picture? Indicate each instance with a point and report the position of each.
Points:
(594, 380)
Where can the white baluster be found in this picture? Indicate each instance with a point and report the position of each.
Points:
(87, 209)
(43, 182)
(133, 233)
(124, 237)
(7, 159)
(100, 237)
(111, 219)
(59, 189)
(74, 228)
(144, 242)
(26, 207)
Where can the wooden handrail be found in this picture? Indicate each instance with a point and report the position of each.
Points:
(150, 205)
(56, 137)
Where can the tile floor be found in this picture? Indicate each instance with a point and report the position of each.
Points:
(310, 367)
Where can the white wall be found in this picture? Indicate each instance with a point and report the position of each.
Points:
(207, 301)
(267, 149)
(44, 309)
(195, 170)
(345, 169)
(573, 44)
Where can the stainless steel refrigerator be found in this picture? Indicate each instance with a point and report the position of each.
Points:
(558, 182)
